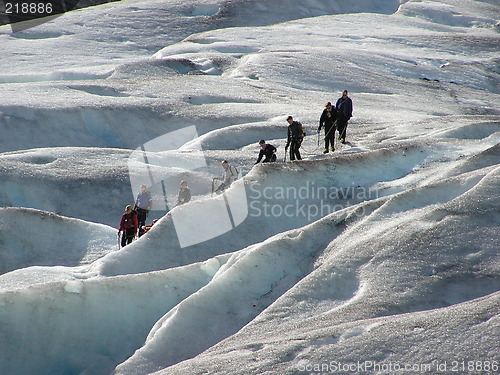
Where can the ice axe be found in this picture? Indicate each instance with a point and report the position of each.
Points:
(213, 185)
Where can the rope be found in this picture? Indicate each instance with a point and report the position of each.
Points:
(317, 147)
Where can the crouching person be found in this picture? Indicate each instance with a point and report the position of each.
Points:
(229, 175)
(266, 150)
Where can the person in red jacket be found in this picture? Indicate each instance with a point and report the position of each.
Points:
(128, 225)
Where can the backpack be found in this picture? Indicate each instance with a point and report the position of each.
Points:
(235, 173)
(129, 220)
(297, 130)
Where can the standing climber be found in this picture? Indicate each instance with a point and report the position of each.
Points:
(295, 137)
(128, 225)
(344, 111)
(142, 206)
(327, 119)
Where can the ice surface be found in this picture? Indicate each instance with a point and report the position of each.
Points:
(384, 253)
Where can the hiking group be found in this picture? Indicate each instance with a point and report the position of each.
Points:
(333, 118)
(133, 221)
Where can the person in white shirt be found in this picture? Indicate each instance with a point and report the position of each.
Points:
(229, 175)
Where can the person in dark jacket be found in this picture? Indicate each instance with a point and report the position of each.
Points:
(344, 111)
(128, 225)
(295, 137)
(327, 119)
(184, 193)
(267, 150)
(142, 206)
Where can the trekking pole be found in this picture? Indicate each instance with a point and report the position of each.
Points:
(342, 136)
(213, 185)
(119, 244)
(318, 137)
(284, 159)
(333, 128)
(328, 132)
